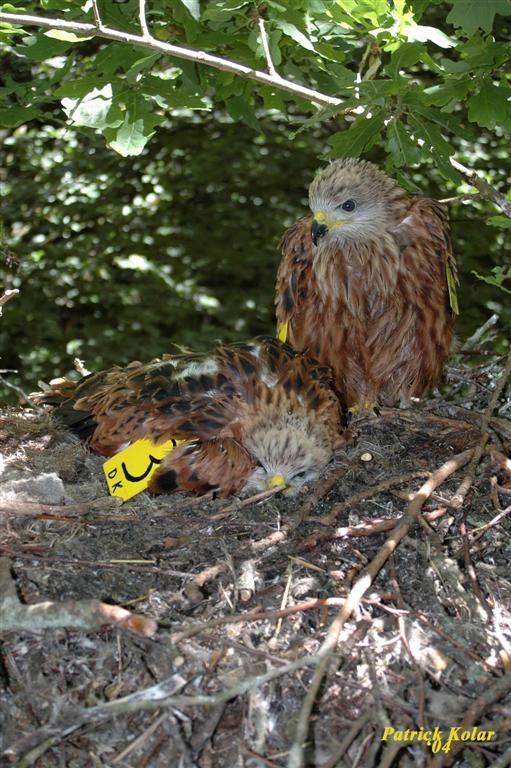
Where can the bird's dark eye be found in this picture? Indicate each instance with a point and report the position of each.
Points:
(349, 205)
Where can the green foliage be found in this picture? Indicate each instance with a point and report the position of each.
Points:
(372, 55)
(499, 274)
(144, 194)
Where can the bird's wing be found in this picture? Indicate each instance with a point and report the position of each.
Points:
(426, 227)
(180, 396)
(293, 274)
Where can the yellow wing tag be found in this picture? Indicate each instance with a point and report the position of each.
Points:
(129, 471)
(282, 331)
(451, 285)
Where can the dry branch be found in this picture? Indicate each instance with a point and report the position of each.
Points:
(162, 694)
(35, 509)
(486, 190)
(459, 496)
(495, 692)
(84, 614)
(7, 296)
(296, 755)
(367, 493)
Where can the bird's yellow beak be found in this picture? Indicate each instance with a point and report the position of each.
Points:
(275, 480)
(322, 223)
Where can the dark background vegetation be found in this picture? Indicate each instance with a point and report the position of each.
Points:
(116, 258)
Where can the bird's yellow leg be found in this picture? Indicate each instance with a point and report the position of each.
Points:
(367, 406)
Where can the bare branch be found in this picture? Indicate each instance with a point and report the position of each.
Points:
(143, 20)
(188, 54)
(486, 190)
(97, 15)
(266, 48)
(87, 614)
(8, 295)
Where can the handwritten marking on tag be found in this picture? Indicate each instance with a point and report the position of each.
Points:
(129, 471)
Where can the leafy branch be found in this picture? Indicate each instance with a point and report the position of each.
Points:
(146, 40)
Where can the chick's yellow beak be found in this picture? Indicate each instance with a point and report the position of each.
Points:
(275, 480)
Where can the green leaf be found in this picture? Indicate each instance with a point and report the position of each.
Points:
(131, 138)
(40, 47)
(68, 37)
(472, 15)
(137, 127)
(362, 135)
(294, 33)
(434, 143)
(239, 109)
(116, 56)
(168, 96)
(421, 34)
(451, 123)
(375, 11)
(405, 56)
(499, 221)
(145, 62)
(449, 90)
(491, 107)
(93, 110)
(219, 10)
(14, 116)
(499, 275)
(402, 147)
(193, 8)
(77, 89)
(330, 52)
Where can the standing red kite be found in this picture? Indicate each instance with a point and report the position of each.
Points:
(367, 283)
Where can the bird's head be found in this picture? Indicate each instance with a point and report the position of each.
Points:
(352, 200)
(289, 449)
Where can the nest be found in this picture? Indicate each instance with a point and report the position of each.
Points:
(340, 628)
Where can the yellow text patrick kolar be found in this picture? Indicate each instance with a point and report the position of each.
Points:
(437, 739)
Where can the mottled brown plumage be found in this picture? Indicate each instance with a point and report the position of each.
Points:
(370, 298)
(258, 411)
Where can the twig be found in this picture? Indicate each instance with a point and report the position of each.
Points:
(86, 614)
(478, 533)
(241, 618)
(143, 19)
(479, 333)
(492, 694)
(461, 198)
(462, 490)
(336, 510)
(350, 737)
(136, 743)
(296, 755)
(23, 395)
(260, 760)
(486, 190)
(266, 49)
(361, 529)
(7, 295)
(97, 15)
(34, 509)
(148, 699)
(250, 500)
(200, 57)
